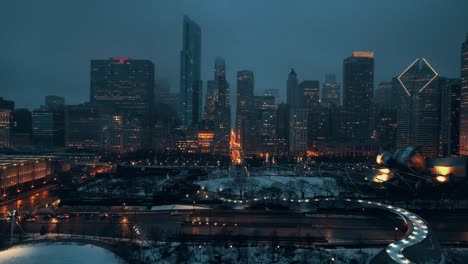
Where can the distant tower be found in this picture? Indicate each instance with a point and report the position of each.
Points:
(358, 92)
(122, 92)
(190, 82)
(54, 102)
(310, 93)
(331, 91)
(217, 116)
(295, 97)
(450, 117)
(298, 131)
(123, 86)
(244, 112)
(464, 99)
(419, 105)
(383, 96)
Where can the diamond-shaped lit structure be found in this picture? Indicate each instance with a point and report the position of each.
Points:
(418, 107)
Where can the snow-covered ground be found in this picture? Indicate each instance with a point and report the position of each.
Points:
(176, 253)
(58, 253)
(312, 186)
(138, 186)
(176, 207)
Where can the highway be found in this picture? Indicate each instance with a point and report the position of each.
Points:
(334, 228)
(331, 229)
(29, 200)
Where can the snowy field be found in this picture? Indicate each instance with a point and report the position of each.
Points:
(55, 253)
(312, 186)
(259, 255)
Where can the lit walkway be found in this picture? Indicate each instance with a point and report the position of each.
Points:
(418, 227)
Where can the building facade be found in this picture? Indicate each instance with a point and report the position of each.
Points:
(48, 128)
(245, 121)
(358, 92)
(82, 127)
(331, 91)
(54, 102)
(21, 128)
(190, 105)
(123, 86)
(450, 117)
(419, 106)
(464, 99)
(311, 94)
(294, 96)
(298, 131)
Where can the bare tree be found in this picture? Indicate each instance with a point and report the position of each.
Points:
(302, 185)
(252, 187)
(240, 184)
(290, 191)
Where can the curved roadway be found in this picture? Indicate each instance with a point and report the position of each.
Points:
(417, 233)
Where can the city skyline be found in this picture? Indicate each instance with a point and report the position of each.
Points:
(158, 39)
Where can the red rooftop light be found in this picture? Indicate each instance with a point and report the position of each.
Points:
(120, 59)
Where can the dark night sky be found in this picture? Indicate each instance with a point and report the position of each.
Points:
(46, 45)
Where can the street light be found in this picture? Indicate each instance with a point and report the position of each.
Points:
(396, 229)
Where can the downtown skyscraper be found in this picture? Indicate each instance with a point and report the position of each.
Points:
(122, 92)
(294, 96)
(245, 121)
(123, 86)
(464, 99)
(190, 101)
(419, 108)
(217, 116)
(358, 92)
(331, 91)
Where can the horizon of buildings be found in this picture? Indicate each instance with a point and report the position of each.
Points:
(130, 110)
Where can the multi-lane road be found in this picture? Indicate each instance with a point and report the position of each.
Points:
(333, 228)
(329, 229)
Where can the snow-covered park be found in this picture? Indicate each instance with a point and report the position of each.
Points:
(260, 255)
(299, 186)
(57, 253)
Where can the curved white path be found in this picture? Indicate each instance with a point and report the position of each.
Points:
(418, 233)
(418, 227)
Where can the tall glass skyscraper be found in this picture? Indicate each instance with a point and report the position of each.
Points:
(244, 111)
(217, 116)
(190, 102)
(358, 92)
(123, 86)
(464, 99)
(419, 106)
(294, 96)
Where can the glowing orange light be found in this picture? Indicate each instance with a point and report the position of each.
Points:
(378, 160)
(236, 156)
(441, 178)
(442, 170)
(381, 178)
(384, 171)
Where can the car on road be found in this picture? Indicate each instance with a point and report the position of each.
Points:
(63, 216)
(174, 213)
(104, 215)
